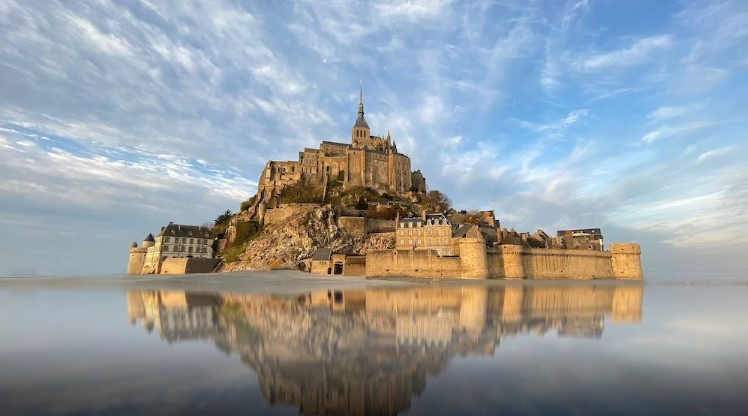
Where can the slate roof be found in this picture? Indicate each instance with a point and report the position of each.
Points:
(461, 231)
(322, 254)
(361, 121)
(179, 230)
(150, 238)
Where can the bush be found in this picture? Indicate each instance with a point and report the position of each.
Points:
(245, 205)
(246, 230)
(232, 254)
(300, 192)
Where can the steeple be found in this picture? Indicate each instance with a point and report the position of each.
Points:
(360, 120)
(361, 98)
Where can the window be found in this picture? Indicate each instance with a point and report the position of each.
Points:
(429, 241)
(410, 232)
(168, 239)
(166, 248)
(419, 241)
(402, 232)
(402, 241)
(445, 240)
(410, 242)
(189, 249)
(419, 232)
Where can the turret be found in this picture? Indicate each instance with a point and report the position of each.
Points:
(148, 241)
(473, 254)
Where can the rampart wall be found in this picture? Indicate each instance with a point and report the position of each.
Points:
(185, 265)
(411, 263)
(360, 226)
(508, 262)
(287, 210)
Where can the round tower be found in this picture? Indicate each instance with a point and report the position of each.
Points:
(473, 255)
(511, 255)
(148, 241)
(136, 259)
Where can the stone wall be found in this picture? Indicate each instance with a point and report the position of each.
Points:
(321, 267)
(355, 226)
(355, 266)
(411, 263)
(626, 259)
(507, 262)
(136, 261)
(374, 225)
(287, 210)
(539, 263)
(186, 265)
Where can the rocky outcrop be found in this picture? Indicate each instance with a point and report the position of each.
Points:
(290, 244)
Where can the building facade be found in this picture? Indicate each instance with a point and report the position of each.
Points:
(428, 232)
(367, 161)
(173, 241)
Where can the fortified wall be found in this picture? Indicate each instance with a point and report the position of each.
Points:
(360, 227)
(286, 211)
(508, 262)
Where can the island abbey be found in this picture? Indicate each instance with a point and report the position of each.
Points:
(368, 161)
(358, 209)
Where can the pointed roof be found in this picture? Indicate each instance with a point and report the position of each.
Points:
(149, 237)
(360, 120)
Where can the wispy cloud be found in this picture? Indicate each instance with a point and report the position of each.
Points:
(632, 55)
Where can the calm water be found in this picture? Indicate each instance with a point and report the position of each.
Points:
(538, 349)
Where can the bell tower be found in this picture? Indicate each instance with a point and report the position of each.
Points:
(360, 130)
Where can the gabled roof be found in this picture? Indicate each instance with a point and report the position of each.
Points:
(461, 232)
(322, 254)
(179, 230)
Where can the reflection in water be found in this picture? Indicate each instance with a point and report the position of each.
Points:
(369, 352)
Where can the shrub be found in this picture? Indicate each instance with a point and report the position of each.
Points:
(246, 230)
(232, 254)
(300, 192)
(245, 205)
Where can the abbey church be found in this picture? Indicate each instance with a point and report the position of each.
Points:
(368, 161)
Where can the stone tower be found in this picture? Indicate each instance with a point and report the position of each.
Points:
(137, 255)
(473, 255)
(361, 129)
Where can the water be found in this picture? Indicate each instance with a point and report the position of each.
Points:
(554, 348)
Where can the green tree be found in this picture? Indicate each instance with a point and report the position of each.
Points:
(223, 218)
(436, 201)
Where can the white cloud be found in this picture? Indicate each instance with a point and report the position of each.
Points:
(632, 55)
(666, 131)
(720, 151)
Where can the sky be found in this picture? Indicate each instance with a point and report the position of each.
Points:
(117, 117)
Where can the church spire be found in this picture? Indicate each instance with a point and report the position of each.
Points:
(361, 99)
(360, 120)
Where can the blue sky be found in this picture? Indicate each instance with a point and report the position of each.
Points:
(119, 116)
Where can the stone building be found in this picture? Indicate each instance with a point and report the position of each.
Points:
(430, 231)
(368, 161)
(174, 241)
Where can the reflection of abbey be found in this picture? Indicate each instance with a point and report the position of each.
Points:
(371, 351)
(368, 161)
